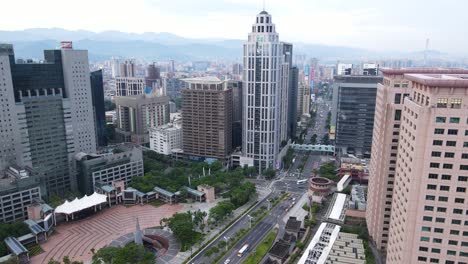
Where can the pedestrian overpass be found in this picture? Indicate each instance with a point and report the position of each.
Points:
(317, 148)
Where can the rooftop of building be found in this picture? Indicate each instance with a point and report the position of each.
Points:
(293, 225)
(440, 79)
(401, 71)
(357, 79)
(204, 79)
(280, 249)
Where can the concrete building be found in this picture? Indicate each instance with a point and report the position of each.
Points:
(50, 114)
(115, 67)
(416, 208)
(293, 101)
(137, 114)
(126, 86)
(236, 113)
(353, 112)
(19, 188)
(165, 138)
(265, 93)
(207, 118)
(128, 69)
(118, 163)
(303, 100)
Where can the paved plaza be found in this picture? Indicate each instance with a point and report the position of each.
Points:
(76, 239)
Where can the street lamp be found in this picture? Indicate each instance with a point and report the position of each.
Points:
(226, 239)
(287, 186)
(250, 220)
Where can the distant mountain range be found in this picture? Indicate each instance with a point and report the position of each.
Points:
(30, 43)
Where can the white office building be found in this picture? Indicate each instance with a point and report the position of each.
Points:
(165, 138)
(265, 94)
(127, 86)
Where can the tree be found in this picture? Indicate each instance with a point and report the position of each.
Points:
(182, 226)
(221, 210)
(241, 195)
(313, 139)
(15, 229)
(109, 105)
(269, 173)
(131, 253)
(326, 139)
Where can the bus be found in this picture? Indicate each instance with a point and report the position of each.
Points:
(243, 250)
(301, 181)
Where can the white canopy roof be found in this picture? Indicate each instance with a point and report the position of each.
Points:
(81, 204)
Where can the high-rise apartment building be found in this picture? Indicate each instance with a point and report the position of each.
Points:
(353, 112)
(265, 93)
(136, 114)
(153, 77)
(303, 100)
(417, 208)
(128, 69)
(207, 118)
(127, 86)
(48, 114)
(115, 67)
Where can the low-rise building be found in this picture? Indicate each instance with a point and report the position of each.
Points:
(165, 138)
(19, 188)
(119, 163)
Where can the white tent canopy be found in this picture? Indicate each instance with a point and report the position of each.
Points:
(81, 204)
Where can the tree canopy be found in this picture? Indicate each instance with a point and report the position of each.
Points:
(221, 210)
(131, 253)
(15, 229)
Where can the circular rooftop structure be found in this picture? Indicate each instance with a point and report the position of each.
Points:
(320, 185)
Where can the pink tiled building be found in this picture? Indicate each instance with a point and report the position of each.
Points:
(418, 175)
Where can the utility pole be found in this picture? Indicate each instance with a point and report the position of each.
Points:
(250, 220)
(226, 239)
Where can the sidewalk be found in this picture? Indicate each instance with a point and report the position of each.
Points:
(182, 256)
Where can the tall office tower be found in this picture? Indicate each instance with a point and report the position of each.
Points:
(236, 113)
(115, 67)
(136, 114)
(53, 112)
(285, 123)
(97, 89)
(207, 118)
(303, 100)
(153, 76)
(237, 69)
(419, 166)
(126, 86)
(353, 112)
(128, 69)
(264, 94)
(292, 104)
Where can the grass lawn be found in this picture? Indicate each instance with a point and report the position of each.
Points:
(256, 256)
(157, 203)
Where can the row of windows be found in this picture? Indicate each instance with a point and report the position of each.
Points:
(448, 143)
(447, 177)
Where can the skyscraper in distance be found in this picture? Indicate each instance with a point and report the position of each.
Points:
(265, 89)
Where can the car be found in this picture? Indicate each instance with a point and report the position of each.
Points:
(227, 261)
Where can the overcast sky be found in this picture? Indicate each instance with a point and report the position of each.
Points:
(394, 25)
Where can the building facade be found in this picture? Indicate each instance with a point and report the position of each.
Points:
(121, 163)
(353, 112)
(137, 114)
(207, 118)
(292, 103)
(50, 111)
(126, 86)
(303, 100)
(265, 94)
(165, 138)
(422, 196)
(98, 108)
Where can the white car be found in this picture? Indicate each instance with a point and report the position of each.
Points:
(227, 261)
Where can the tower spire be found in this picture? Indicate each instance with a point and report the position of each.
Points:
(263, 5)
(138, 235)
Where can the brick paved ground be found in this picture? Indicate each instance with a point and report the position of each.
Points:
(76, 239)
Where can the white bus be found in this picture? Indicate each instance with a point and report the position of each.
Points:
(243, 250)
(301, 181)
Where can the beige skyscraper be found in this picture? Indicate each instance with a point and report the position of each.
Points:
(417, 208)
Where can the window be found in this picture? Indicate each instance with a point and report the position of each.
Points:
(428, 208)
(397, 98)
(449, 155)
(465, 144)
(455, 103)
(397, 115)
(426, 229)
(441, 209)
(425, 239)
(442, 103)
(431, 187)
(443, 199)
(463, 167)
(438, 230)
(436, 153)
(456, 222)
(440, 119)
(437, 142)
(430, 197)
(462, 178)
(454, 120)
(464, 155)
(447, 166)
(451, 143)
(424, 249)
(461, 189)
(440, 220)
(446, 177)
(437, 240)
(459, 200)
(457, 211)
(422, 258)
(427, 218)
(451, 252)
(454, 232)
(452, 132)
(439, 131)
(433, 260)
(453, 242)
(433, 176)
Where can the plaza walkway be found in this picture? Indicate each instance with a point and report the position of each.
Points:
(76, 239)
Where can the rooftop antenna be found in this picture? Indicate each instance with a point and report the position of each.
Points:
(263, 5)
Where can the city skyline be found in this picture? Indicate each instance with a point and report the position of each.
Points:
(366, 24)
